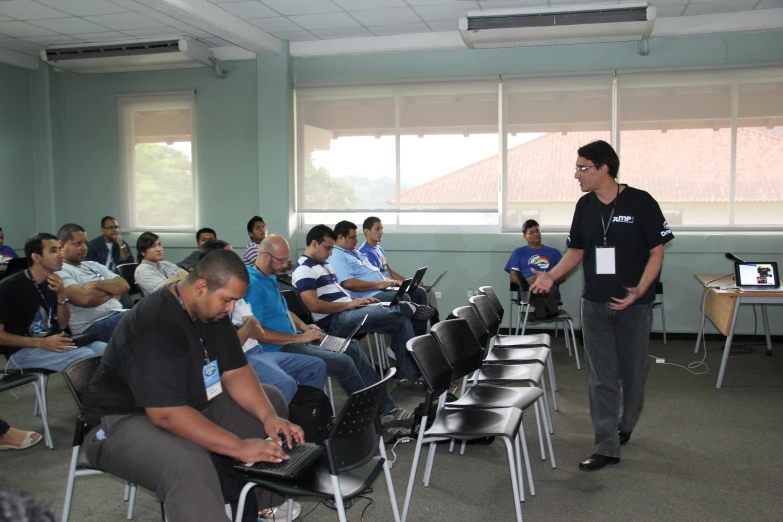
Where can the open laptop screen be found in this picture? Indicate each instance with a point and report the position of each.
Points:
(763, 275)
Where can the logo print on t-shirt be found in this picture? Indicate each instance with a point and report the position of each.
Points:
(539, 262)
(665, 224)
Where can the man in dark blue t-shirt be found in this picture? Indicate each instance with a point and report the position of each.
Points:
(617, 233)
(535, 255)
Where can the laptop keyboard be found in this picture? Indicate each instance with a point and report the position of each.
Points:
(299, 459)
(333, 344)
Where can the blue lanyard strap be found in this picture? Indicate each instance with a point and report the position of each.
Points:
(50, 310)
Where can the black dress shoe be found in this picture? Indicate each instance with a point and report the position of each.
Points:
(596, 461)
(624, 437)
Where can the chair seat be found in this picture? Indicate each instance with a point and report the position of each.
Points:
(517, 355)
(481, 396)
(562, 315)
(25, 371)
(15, 380)
(464, 424)
(317, 481)
(501, 373)
(508, 341)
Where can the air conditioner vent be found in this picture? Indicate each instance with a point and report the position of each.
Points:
(558, 19)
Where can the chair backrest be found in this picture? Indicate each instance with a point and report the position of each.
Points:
(477, 327)
(433, 363)
(15, 265)
(658, 288)
(354, 437)
(78, 375)
(494, 300)
(128, 273)
(486, 313)
(460, 345)
(296, 306)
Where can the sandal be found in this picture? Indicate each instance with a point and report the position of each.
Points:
(31, 439)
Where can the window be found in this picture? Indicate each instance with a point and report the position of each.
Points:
(708, 145)
(156, 134)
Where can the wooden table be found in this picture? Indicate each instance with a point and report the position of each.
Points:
(721, 303)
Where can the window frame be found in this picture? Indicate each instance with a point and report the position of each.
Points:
(127, 105)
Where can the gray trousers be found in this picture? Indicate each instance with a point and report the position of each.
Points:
(617, 345)
(182, 474)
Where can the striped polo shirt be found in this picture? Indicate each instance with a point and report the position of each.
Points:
(309, 274)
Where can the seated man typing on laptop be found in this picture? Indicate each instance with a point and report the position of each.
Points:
(362, 279)
(351, 367)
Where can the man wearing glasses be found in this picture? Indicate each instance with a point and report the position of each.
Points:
(109, 249)
(618, 233)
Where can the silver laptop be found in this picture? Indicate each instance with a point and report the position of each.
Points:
(757, 277)
(338, 344)
(433, 285)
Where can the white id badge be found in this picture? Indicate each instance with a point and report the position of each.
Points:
(212, 380)
(604, 260)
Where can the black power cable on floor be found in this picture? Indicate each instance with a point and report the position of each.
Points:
(747, 348)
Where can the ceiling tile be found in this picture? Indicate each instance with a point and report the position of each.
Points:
(732, 6)
(769, 4)
(224, 1)
(69, 26)
(278, 24)
(445, 13)
(19, 45)
(28, 10)
(383, 30)
(302, 7)
(362, 5)
(325, 21)
(404, 15)
(416, 3)
(109, 36)
(513, 4)
(131, 5)
(53, 40)
(439, 27)
(121, 22)
(5, 19)
(296, 36)
(343, 32)
(669, 10)
(154, 32)
(23, 30)
(218, 42)
(162, 18)
(247, 10)
(84, 7)
(193, 31)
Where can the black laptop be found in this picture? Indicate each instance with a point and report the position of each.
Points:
(757, 277)
(300, 458)
(416, 279)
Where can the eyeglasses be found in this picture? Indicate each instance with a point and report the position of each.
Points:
(115, 227)
(283, 261)
(582, 168)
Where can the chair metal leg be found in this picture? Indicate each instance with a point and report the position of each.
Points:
(428, 466)
(132, 501)
(241, 503)
(462, 448)
(567, 340)
(126, 493)
(520, 482)
(331, 393)
(576, 346)
(548, 440)
(538, 427)
(338, 499)
(289, 517)
(526, 455)
(547, 416)
(451, 446)
(514, 486)
(69, 483)
(663, 322)
(551, 366)
(389, 483)
(40, 396)
(369, 352)
(414, 466)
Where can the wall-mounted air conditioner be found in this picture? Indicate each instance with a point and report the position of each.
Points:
(138, 55)
(558, 25)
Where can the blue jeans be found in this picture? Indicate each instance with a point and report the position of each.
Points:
(351, 368)
(4, 427)
(382, 319)
(285, 371)
(27, 358)
(105, 327)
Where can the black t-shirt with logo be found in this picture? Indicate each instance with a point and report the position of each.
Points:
(155, 359)
(19, 304)
(637, 227)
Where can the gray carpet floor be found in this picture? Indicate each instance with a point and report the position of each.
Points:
(697, 454)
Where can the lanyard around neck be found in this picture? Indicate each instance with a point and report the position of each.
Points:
(50, 310)
(604, 226)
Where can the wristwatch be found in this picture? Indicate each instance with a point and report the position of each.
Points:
(64, 302)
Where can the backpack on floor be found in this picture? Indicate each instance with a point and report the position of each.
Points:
(310, 408)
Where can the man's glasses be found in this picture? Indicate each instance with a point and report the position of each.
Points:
(582, 168)
(283, 261)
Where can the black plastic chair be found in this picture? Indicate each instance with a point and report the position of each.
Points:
(17, 380)
(458, 423)
(41, 376)
(128, 273)
(461, 352)
(296, 306)
(77, 376)
(15, 265)
(349, 464)
(659, 304)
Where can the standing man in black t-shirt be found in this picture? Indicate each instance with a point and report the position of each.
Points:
(618, 233)
(175, 404)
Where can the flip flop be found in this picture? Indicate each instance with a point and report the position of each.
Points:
(29, 440)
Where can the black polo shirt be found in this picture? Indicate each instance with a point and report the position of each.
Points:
(19, 304)
(637, 226)
(155, 359)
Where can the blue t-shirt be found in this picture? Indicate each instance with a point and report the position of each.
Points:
(269, 306)
(354, 265)
(525, 258)
(7, 253)
(376, 256)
